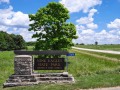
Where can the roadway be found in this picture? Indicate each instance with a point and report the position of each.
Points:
(95, 50)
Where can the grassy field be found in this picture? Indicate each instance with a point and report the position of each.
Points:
(89, 72)
(100, 54)
(29, 48)
(101, 47)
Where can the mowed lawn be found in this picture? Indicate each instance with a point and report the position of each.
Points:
(89, 72)
(101, 47)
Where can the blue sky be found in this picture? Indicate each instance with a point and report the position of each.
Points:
(95, 20)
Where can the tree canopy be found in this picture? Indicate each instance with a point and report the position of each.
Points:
(52, 30)
(11, 41)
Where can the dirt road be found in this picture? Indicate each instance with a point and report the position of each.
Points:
(94, 50)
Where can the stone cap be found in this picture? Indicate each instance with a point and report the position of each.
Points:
(45, 52)
(23, 56)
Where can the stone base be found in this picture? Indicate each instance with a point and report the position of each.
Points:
(24, 80)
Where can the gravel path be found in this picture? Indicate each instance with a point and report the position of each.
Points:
(98, 56)
(94, 50)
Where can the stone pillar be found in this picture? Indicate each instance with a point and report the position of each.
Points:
(23, 65)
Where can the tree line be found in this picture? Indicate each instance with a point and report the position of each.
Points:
(11, 41)
(31, 43)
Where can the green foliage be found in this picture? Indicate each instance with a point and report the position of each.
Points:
(11, 41)
(31, 43)
(96, 43)
(19, 41)
(2, 42)
(52, 30)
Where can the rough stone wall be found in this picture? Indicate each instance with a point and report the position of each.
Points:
(23, 65)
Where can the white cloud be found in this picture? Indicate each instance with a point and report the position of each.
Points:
(103, 37)
(92, 26)
(80, 27)
(113, 31)
(4, 1)
(87, 21)
(15, 22)
(84, 20)
(19, 19)
(15, 19)
(92, 12)
(3, 28)
(26, 34)
(115, 24)
(86, 33)
(85, 28)
(107, 38)
(80, 5)
(103, 32)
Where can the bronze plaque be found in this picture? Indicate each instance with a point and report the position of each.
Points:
(49, 64)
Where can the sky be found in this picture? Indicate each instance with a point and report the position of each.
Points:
(95, 20)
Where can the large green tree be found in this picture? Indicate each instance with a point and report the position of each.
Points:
(52, 30)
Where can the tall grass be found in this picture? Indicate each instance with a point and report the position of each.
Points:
(6, 65)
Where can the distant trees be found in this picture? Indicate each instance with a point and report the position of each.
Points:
(31, 43)
(2, 42)
(80, 44)
(11, 41)
(96, 43)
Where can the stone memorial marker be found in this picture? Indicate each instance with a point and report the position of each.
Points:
(24, 66)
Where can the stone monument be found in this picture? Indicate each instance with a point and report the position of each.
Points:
(24, 72)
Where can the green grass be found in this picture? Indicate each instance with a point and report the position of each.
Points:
(101, 47)
(84, 64)
(6, 65)
(30, 48)
(89, 72)
(116, 56)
